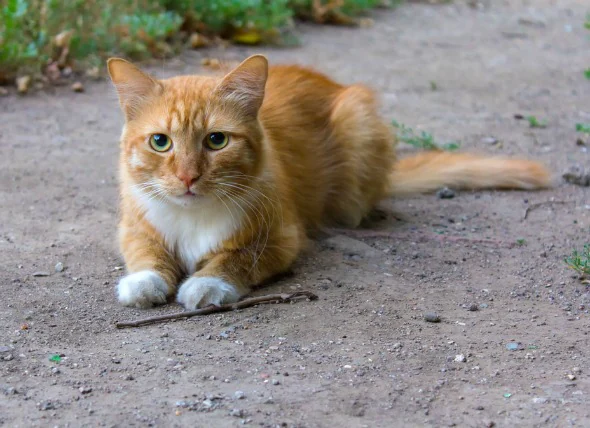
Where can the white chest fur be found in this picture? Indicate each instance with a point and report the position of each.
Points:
(193, 231)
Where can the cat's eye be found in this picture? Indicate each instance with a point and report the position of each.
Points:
(160, 142)
(217, 140)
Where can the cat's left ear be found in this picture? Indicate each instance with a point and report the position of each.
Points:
(245, 84)
(134, 86)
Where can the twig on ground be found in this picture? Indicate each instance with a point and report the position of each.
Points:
(211, 309)
(540, 204)
(359, 233)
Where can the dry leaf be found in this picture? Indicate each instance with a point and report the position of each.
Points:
(23, 83)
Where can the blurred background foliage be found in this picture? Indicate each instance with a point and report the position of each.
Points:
(36, 34)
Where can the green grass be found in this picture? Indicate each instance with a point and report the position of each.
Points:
(140, 28)
(424, 140)
(583, 127)
(520, 242)
(536, 123)
(580, 262)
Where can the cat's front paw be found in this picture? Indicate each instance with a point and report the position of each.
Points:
(142, 289)
(204, 291)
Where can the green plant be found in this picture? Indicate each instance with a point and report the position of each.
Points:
(580, 262)
(583, 127)
(424, 140)
(520, 242)
(536, 123)
(587, 73)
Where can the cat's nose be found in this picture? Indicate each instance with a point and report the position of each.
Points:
(188, 179)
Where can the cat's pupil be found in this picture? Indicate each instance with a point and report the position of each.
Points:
(160, 140)
(217, 138)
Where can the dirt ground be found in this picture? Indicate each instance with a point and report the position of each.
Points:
(363, 354)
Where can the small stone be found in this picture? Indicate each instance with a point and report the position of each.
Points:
(490, 140)
(275, 382)
(4, 348)
(460, 358)
(212, 378)
(59, 267)
(46, 405)
(431, 317)
(239, 395)
(129, 377)
(571, 377)
(55, 370)
(40, 273)
(473, 307)
(208, 403)
(577, 370)
(77, 87)
(238, 413)
(23, 84)
(539, 400)
(479, 408)
(269, 400)
(10, 390)
(577, 175)
(513, 346)
(85, 390)
(8, 357)
(115, 360)
(445, 193)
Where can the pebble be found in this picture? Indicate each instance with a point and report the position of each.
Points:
(577, 175)
(577, 370)
(490, 140)
(431, 317)
(78, 87)
(239, 395)
(59, 267)
(4, 348)
(238, 413)
(10, 390)
(207, 403)
(571, 377)
(474, 307)
(55, 370)
(8, 357)
(46, 405)
(460, 358)
(445, 193)
(275, 382)
(85, 390)
(269, 400)
(513, 346)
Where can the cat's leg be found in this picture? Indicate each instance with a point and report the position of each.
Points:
(229, 275)
(365, 145)
(152, 271)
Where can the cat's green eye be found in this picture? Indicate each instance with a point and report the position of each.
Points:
(160, 142)
(217, 140)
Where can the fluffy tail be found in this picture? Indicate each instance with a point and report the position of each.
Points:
(430, 171)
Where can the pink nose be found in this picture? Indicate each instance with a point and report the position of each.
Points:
(188, 179)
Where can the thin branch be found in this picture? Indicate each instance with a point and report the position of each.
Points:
(422, 237)
(211, 309)
(541, 204)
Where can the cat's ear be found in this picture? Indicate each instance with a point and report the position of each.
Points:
(133, 85)
(245, 84)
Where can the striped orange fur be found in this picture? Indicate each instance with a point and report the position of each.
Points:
(207, 218)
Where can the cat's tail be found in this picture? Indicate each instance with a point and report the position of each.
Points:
(429, 171)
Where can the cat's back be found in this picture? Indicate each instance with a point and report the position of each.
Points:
(297, 96)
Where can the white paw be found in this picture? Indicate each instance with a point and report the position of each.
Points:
(142, 289)
(205, 291)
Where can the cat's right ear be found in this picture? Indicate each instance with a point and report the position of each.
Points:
(133, 85)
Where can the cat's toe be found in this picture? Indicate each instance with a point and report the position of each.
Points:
(205, 291)
(142, 289)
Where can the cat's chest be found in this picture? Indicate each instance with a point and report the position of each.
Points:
(191, 233)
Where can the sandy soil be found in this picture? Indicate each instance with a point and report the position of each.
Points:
(362, 355)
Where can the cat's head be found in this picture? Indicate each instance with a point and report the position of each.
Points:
(191, 137)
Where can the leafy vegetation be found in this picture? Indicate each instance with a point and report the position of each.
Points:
(424, 140)
(33, 31)
(583, 127)
(536, 123)
(580, 262)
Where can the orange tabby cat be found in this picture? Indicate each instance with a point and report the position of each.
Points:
(222, 179)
